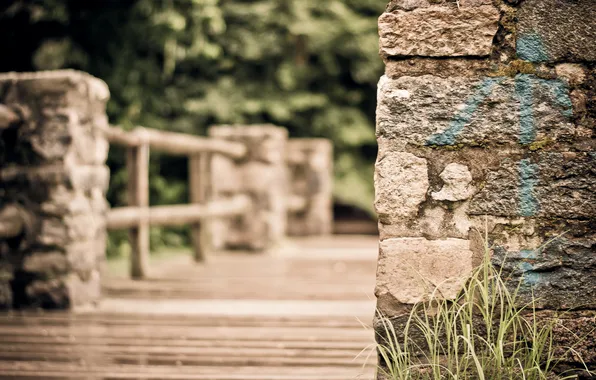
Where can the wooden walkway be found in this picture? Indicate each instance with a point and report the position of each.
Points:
(294, 314)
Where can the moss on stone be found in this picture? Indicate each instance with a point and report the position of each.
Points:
(508, 18)
(515, 67)
(447, 147)
(537, 145)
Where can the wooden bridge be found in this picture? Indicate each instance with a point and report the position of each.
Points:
(287, 309)
(296, 313)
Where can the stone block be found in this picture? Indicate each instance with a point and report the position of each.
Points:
(36, 182)
(60, 112)
(46, 264)
(411, 270)
(438, 30)
(556, 30)
(310, 169)
(265, 143)
(47, 294)
(225, 169)
(560, 274)
(83, 292)
(459, 111)
(401, 183)
(548, 184)
(456, 184)
(261, 175)
(5, 296)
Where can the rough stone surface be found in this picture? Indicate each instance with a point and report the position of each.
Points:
(438, 31)
(560, 275)
(310, 166)
(54, 167)
(553, 185)
(413, 269)
(434, 111)
(401, 181)
(261, 175)
(456, 179)
(556, 30)
(495, 144)
(442, 67)
(574, 74)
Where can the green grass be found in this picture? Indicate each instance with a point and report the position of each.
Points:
(484, 334)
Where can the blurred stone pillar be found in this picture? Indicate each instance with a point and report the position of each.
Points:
(53, 170)
(262, 176)
(310, 166)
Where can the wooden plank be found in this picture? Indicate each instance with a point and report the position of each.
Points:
(225, 339)
(138, 194)
(199, 184)
(176, 342)
(183, 144)
(118, 136)
(175, 215)
(174, 143)
(207, 372)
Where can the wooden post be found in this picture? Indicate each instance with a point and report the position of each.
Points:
(198, 182)
(137, 161)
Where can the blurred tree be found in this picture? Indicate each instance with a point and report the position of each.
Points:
(182, 65)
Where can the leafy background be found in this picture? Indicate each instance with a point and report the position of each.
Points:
(183, 65)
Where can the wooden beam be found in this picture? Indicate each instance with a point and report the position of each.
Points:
(199, 183)
(176, 215)
(7, 117)
(118, 136)
(137, 161)
(174, 143)
(11, 222)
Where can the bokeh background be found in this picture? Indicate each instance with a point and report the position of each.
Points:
(182, 65)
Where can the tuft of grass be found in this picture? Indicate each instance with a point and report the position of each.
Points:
(483, 334)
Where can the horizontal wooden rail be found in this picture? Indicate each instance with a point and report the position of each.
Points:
(11, 222)
(174, 143)
(128, 217)
(7, 117)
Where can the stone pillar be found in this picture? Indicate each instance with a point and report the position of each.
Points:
(53, 169)
(485, 117)
(262, 176)
(310, 166)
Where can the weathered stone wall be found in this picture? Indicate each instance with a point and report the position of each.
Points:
(52, 168)
(310, 166)
(485, 118)
(261, 175)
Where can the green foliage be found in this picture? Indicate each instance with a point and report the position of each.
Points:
(183, 65)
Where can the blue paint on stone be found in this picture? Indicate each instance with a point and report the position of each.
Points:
(463, 117)
(530, 47)
(560, 92)
(525, 96)
(528, 179)
(530, 277)
(529, 254)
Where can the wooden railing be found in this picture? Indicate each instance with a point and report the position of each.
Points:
(138, 216)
